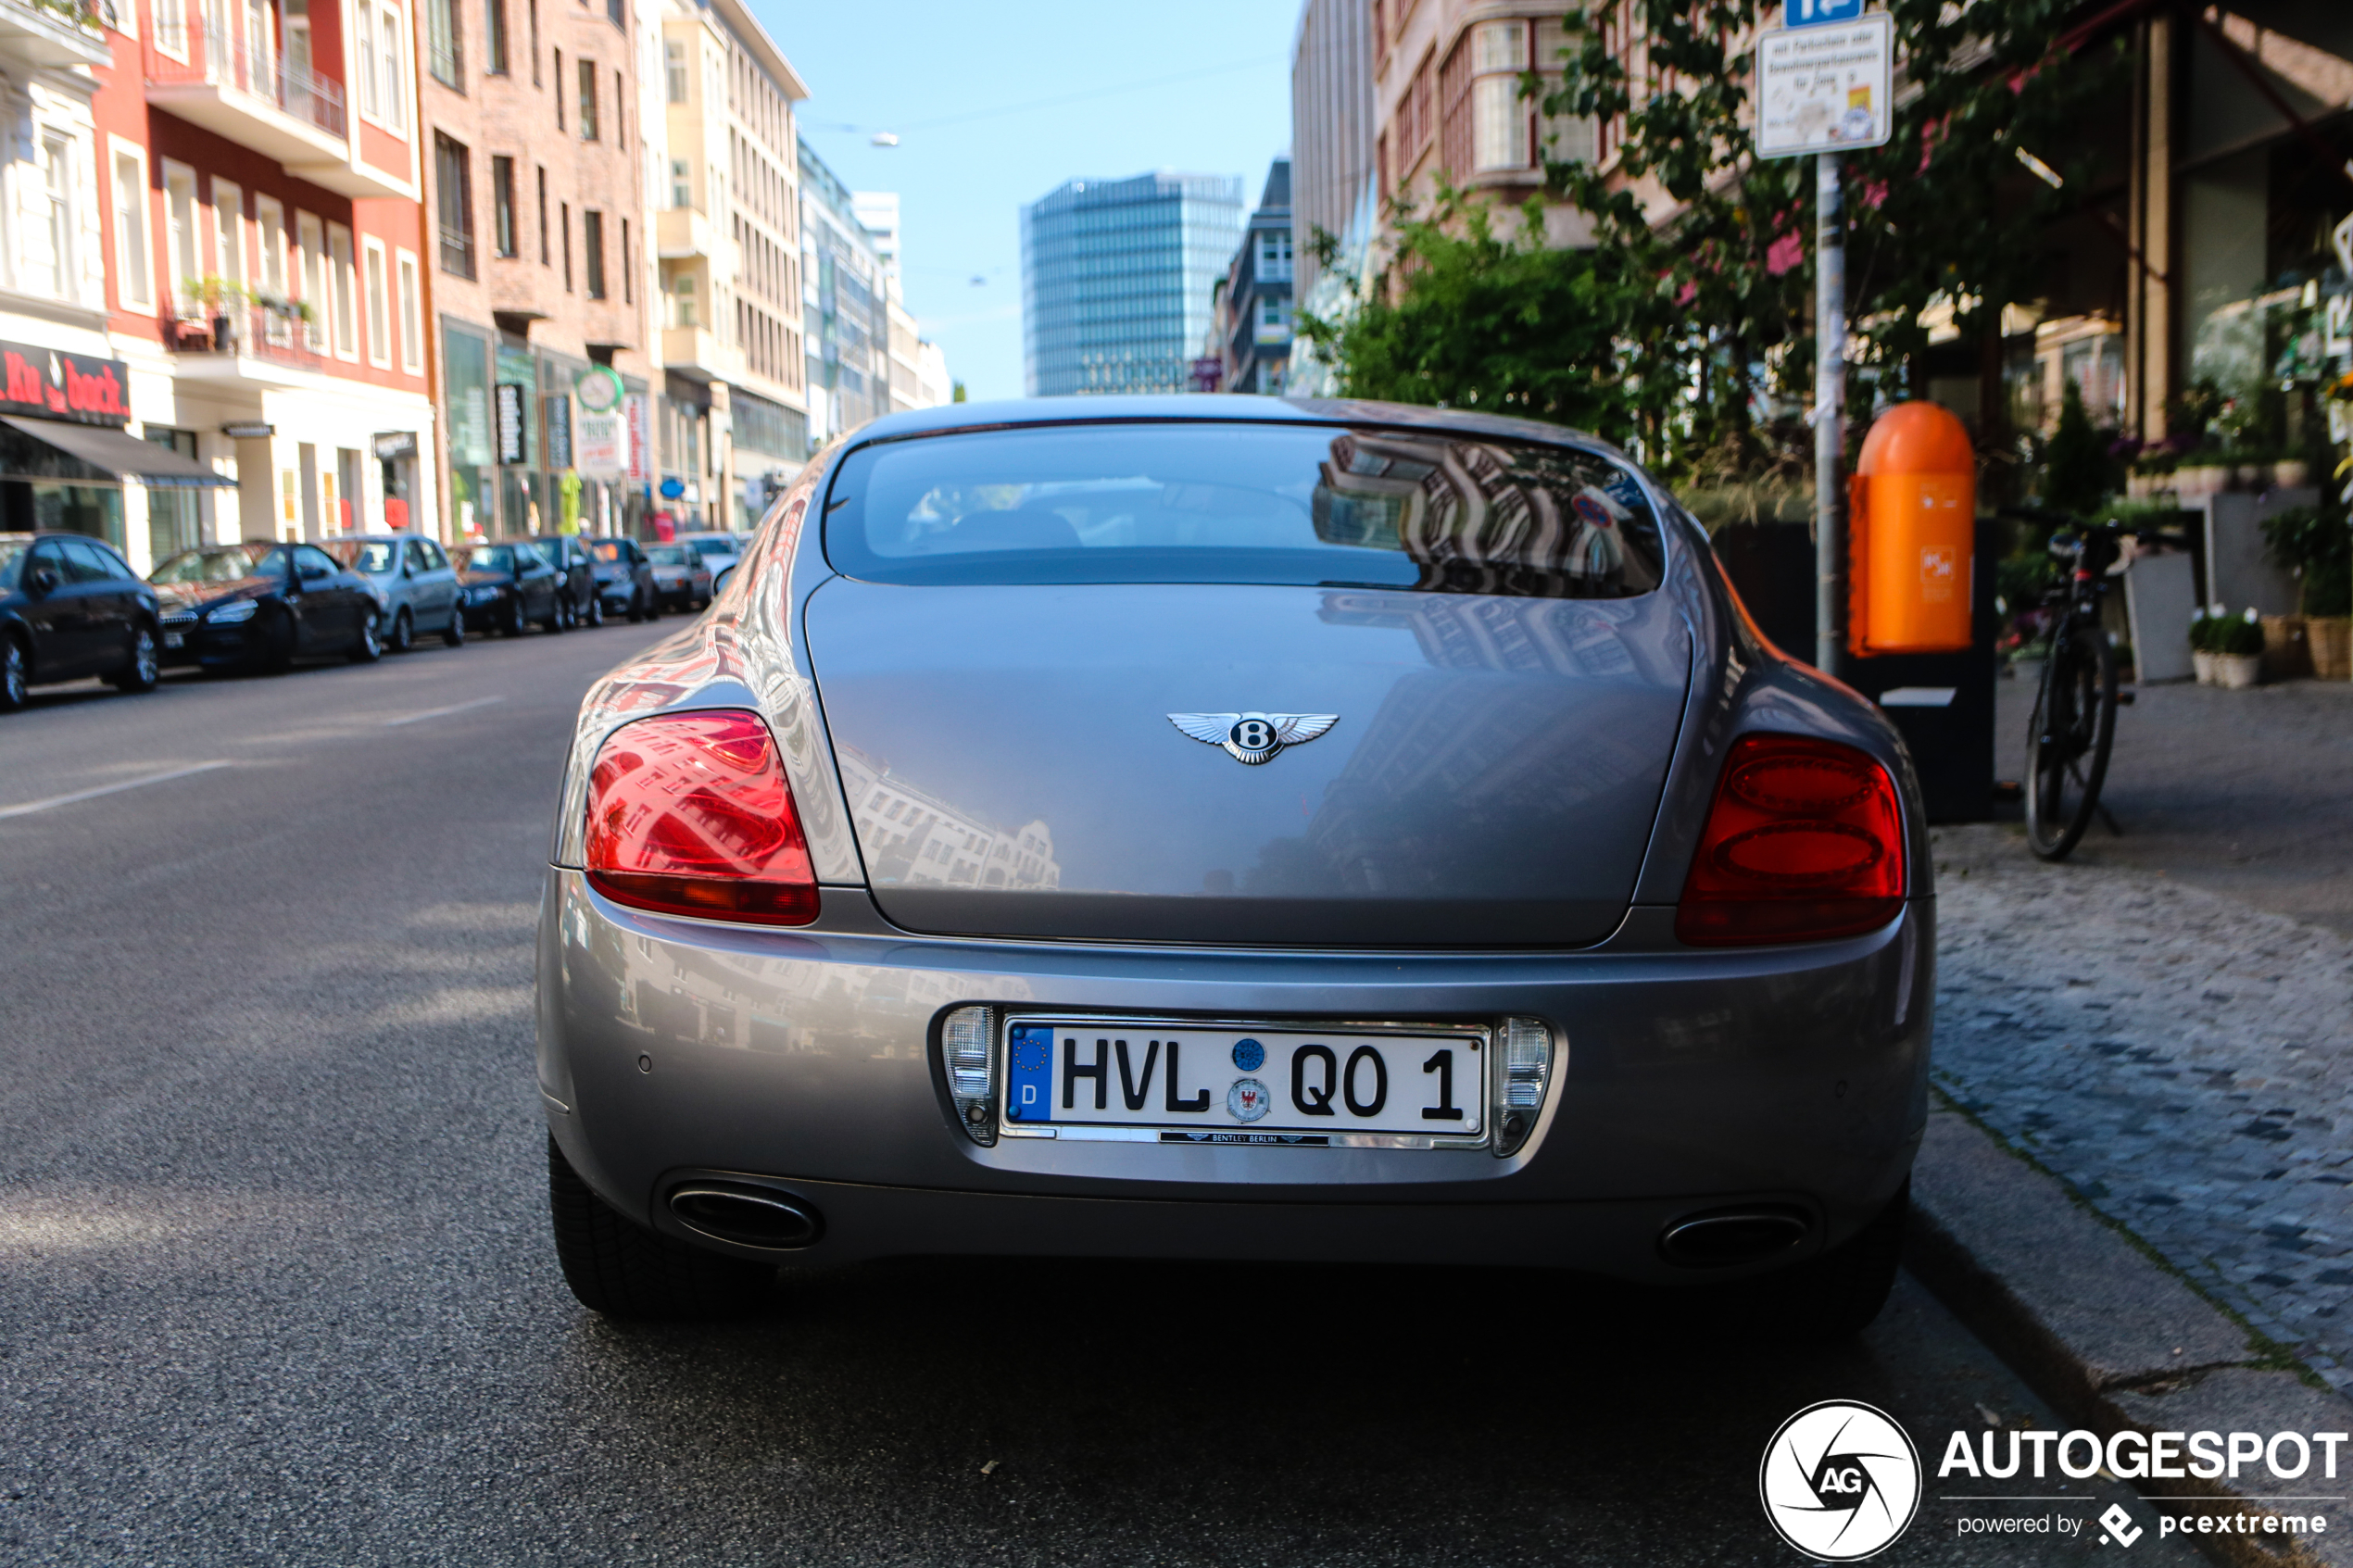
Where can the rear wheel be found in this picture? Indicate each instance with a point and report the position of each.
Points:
(404, 632)
(511, 621)
(637, 605)
(2066, 744)
(558, 615)
(16, 674)
(138, 674)
(618, 1267)
(1838, 1294)
(595, 614)
(454, 634)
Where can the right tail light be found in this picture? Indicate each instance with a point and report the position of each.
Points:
(1805, 842)
(690, 814)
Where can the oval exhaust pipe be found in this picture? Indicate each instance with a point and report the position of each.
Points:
(748, 1216)
(1727, 1237)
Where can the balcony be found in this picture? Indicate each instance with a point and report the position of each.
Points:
(250, 344)
(238, 87)
(681, 233)
(696, 353)
(55, 33)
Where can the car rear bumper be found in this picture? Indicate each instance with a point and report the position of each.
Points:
(1686, 1081)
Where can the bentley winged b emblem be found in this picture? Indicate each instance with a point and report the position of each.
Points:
(1253, 737)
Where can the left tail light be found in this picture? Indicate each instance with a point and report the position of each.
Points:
(1805, 843)
(690, 814)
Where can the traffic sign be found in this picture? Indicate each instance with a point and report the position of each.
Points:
(1814, 13)
(1825, 89)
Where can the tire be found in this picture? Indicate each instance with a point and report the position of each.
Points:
(511, 621)
(144, 667)
(637, 605)
(2067, 741)
(1835, 1296)
(595, 617)
(370, 646)
(454, 634)
(621, 1269)
(16, 674)
(558, 615)
(404, 632)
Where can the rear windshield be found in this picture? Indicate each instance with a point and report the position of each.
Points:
(609, 551)
(1302, 505)
(374, 557)
(666, 554)
(487, 557)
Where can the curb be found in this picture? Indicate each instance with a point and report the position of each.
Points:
(2112, 1339)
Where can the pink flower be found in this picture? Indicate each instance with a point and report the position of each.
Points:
(1689, 293)
(1785, 253)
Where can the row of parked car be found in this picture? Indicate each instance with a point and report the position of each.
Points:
(71, 608)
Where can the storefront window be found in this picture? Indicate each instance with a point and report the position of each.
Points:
(94, 509)
(174, 523)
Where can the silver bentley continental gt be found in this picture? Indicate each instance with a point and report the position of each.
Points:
(1232, 828)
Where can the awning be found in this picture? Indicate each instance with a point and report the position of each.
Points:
(97, 453)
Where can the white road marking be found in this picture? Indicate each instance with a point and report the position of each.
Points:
(31, 805)
(441, 712)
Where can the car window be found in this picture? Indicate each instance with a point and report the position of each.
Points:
(12, 558)
(667, 555)
(490, 558)
(84, 563)
(1436, 511)
(374, 557)
(434, 560)
(313, 563)
(609, 551)
(418, 560)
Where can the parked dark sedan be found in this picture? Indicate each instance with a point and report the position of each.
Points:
(507, 585)
(576, 596)
(682, 580)
(262, 605)
(69, 609)
(624, 578)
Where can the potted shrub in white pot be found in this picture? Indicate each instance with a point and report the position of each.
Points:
(2237, 644)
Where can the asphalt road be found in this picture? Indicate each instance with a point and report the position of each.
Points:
(275, 1285)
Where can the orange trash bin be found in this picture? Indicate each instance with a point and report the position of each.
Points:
(1911, 532)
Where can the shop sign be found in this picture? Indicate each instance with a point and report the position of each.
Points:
(559, 409)
(510, 421)
(248, 430)
(58, 386)
(1826, 89)
(672, 488)
(635, 410)
(603, 445)
(393, 444)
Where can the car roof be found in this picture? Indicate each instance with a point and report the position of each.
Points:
(1207, 407)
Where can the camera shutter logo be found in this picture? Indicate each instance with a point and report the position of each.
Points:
(1839, 1481)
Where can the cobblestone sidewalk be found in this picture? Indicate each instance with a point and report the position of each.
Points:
(2184, 1060)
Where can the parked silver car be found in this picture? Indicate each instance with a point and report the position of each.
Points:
(1219, 827)
(719, 552)
(415, 586)
(681, 581)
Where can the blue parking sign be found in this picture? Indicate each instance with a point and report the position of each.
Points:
(1812, 12)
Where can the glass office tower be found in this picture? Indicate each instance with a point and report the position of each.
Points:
(1115, 278)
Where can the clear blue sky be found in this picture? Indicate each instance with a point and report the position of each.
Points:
(954, 81)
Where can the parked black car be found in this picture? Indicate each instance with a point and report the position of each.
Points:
(575, 577)
(624, 578)
(71, 608)
(262, 605)
(507, 585)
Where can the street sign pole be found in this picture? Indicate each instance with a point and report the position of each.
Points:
(1830, 393)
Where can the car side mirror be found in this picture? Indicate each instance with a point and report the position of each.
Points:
(45, 580)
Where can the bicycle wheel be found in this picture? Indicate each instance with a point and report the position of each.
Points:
(2068, 744)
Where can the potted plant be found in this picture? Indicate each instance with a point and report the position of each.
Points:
(2202, 623)
(2236, 643)
(2316, 544)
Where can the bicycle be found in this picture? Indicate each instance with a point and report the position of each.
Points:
(2074, 724)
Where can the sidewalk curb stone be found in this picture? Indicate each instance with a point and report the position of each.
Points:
(2111, 1339)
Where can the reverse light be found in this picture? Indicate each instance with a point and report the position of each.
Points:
(967, 1036)
(1525, 1063)
(690, 814)
(1805, 843)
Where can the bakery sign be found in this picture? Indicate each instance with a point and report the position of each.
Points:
(57, 385)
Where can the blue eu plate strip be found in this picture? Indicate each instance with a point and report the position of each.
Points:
(1030, 1083)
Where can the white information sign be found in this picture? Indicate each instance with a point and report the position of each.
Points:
(1824, 88)
(601, 445)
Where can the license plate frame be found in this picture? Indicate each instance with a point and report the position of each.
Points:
(1471, 1087)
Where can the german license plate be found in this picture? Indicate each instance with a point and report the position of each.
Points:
(1179, 1082)
(173, 640)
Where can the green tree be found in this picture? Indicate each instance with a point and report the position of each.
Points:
(2077, 471)
(1463, 318)
(1944, 220)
